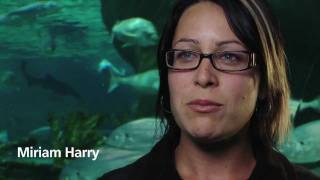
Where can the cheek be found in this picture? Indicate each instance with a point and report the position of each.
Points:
(178, 85)
(243, 91)
(179, 89)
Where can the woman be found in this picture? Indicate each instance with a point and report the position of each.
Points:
(223, 94)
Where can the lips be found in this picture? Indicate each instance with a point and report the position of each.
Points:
(204, 106)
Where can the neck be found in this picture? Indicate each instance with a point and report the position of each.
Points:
(226, 159)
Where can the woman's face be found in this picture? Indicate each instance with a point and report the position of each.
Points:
(207, 104)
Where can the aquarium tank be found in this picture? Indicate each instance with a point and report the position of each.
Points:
(83, 74)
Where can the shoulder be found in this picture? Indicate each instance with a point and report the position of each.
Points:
(304, 174)
(158, 163)
(131, 171)
(301, 173)
(272, 164)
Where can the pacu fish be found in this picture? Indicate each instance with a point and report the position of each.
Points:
(126, 144)
(135, 31)
(144, 83)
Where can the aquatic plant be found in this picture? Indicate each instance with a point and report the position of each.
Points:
(79, 130)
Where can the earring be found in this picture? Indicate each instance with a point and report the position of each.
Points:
(269, 107)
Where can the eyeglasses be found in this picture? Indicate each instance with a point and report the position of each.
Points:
(227, 61)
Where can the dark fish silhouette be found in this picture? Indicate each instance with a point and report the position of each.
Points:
(29, 13)
(71, 31)
(50, 83)
(36, 9)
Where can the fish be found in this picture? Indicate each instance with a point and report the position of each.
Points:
(42, 135)
(303, 143)
(4, 137)
(70, 31)
(66, 27)
(30, 12)
(312, 104)
(144, 83)
(36, 9)
(105, 65)
(4, 20)
(125, 144)
(7, 78)
(300, 105)
(138, 134)
(109, 159)
(135, 31)
(50, 83)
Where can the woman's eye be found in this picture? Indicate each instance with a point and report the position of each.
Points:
(185, 55)
(230, 57)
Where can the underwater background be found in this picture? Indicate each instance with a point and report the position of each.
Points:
(72, 77)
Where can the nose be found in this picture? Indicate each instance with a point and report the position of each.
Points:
(206, 75)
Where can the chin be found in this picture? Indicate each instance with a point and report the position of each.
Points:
(210, 140)
(207, 139)
(208, 130)
(205, 136)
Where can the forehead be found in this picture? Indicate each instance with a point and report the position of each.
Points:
(204, 22)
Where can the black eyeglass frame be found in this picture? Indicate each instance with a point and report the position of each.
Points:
(251, 63)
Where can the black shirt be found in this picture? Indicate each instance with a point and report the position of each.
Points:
(159, 164)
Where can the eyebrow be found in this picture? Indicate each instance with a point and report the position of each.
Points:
(186, 40)
(218, 44)
(222, 43)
